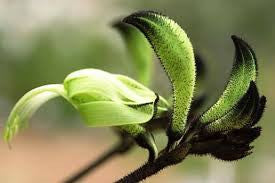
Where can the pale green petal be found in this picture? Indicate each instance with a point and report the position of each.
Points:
(108, 113)
(28, 105)
(102, 99)
(105, 99)
(95, 85)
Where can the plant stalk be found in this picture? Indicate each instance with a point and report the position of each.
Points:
(150, 168)
(117, 149)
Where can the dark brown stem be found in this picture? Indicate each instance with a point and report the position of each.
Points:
(150, 168)
(117, 149)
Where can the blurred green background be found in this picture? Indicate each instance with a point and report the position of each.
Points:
(41, 41)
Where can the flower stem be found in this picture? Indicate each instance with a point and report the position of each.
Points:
(150, 168)
(122, 147)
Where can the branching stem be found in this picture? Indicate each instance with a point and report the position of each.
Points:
(122, 147)
(150, 168)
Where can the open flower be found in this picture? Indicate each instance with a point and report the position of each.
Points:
(102, 99)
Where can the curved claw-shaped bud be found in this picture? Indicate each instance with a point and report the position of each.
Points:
(139, 50)
(244, 70)
(175, 51)
(240, 115)
(103, 99)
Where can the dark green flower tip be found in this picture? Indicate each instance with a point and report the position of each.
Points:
(260, 110)
(236, 144)
(229, 146)
(175, 52)
(239, 42)
(231, 152)
(240, 115)
(243, 135)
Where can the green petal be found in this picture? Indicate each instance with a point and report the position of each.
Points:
(106, 99)
(175, 52)
(139, 49)
(138, 88)
(28, 105)
(96, 85)
(108, 113)
(244, 70)
(240, 115)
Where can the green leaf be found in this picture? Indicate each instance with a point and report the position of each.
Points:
(28, 105)
(175, 52)
(244, 70)
(240, 115)
(139, 50)
(108, 113)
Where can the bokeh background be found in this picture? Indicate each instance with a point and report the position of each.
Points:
(41, 41)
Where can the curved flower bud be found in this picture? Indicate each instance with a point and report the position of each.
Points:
(240, 115)
(175, 52)
(244, 70)
(228, 129)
